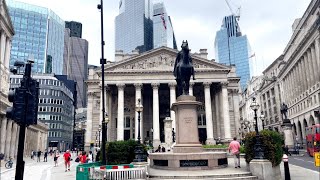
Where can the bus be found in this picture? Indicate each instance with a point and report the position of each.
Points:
(313, 139)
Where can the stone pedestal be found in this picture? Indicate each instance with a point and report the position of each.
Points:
(187, 137)
(288, 136)
(263, 169)
(168, 132)
(187, 153)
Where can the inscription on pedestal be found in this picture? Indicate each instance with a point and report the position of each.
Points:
(188, 120)
(193, 163)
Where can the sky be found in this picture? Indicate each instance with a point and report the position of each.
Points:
(267, 23)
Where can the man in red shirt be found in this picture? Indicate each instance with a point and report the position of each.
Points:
(67, 159)
(234, 147)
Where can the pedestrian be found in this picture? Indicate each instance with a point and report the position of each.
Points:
(34, 154)
(83, 158)
(163, 149)
(31, 154)
(45, 156)
(55, 158)
(67, 159)
(98, 155)
(38, 155)
(234, 147)
(286, 150)
(90, 157)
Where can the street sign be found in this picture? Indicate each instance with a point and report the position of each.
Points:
(317, 159)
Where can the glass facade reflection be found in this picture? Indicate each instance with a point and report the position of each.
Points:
(231, 47)
(162, 27)
(134, 26)
(39, 36)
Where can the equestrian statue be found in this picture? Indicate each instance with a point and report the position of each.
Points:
(183, 69)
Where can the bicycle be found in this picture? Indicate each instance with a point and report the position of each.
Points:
(9, 163)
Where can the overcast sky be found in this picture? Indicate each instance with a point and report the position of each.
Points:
(266, 23)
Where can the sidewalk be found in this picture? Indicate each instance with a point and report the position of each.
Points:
(27, 160)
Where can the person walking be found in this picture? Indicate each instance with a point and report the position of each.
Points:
(55, 158)
(67, 159)
(83, 157)
(234, 147)
(38, 156)
(32, 154)
(90, 157)
(98, 155)
(45, 156)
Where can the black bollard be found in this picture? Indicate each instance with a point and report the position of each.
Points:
(286, 167)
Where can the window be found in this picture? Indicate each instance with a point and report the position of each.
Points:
(127, 122)
(202, 120)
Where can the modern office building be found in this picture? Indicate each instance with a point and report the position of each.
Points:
(39, 36)
(75, 64)
(163, 34)
(75, 28)
(55, 108)
(231, 47)
(134, 26)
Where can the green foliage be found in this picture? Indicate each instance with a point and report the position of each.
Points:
(122, 152)
(218, 146)
(242, 150)
(272, 143)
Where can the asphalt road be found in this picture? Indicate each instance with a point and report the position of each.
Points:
(303, 161)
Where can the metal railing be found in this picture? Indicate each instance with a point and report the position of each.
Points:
(118, 174)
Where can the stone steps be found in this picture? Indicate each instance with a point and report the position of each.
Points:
(226, 176)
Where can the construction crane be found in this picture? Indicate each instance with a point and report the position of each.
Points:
(237, 14)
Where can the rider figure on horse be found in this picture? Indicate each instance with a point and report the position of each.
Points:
(183, 69)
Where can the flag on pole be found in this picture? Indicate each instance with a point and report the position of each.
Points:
(163, 21)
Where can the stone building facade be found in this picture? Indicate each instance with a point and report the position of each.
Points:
(148, 76)
(299, 79)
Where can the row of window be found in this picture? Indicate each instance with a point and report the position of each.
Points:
(49, 117)
(54, 134)
(55, 125)
(51, 101)
(305, 104)
(50, 109)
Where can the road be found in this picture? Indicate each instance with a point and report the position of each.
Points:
(304, 161)
(43, 171)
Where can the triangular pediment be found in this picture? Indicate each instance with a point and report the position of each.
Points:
(6, 22)
(160, 59)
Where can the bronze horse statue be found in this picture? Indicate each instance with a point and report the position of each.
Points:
(183, 69)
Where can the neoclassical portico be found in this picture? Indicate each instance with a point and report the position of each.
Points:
(149, 77)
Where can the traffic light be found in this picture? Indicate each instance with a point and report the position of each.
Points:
(32, 108)
(16, 112)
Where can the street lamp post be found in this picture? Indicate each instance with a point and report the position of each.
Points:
(258, 149)
(262, 119)
(103, 62)
(138, 149)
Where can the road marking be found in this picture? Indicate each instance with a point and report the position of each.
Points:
(305, 169)
(304, 160)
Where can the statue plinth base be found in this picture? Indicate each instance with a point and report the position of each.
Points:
(187, 153)
(287, 131)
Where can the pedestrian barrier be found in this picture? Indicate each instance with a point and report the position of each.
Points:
(83, 170)
(118, 174)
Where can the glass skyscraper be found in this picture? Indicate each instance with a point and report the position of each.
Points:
(162, 28)
(134, 26)
(39, 35)
(231, 47)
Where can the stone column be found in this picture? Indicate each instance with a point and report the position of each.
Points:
(217, 108)
(7, 53)
(3, 44)
(17, 141)
(120, 128)
(304, 74)
(3, 135)
(88, 131)
(314, 65)
(317, 52)
(172, 100)
(156, 124)
(235, 99)
(307, 70)
(108, 111)
(168, 132)
(310, 67)
(13, 140)
(8, 139)
(207, 99)
(191, 88)
(138, 96)
(300, 80)
(225, 109)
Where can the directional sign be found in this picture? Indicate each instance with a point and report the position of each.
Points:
(317, 159)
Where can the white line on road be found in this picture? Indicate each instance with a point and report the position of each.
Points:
(304, 160)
